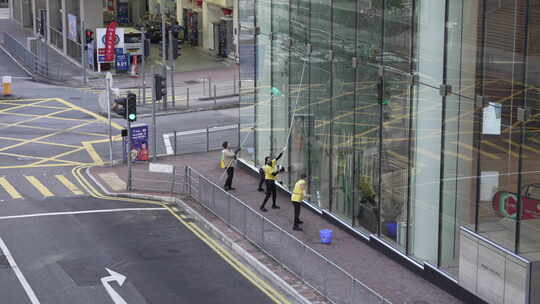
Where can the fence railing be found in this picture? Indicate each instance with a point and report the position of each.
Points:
(37, 65)
(330, 280)
(201, 140)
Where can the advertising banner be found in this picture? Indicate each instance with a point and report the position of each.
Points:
(139, 142)
(72, 27)
(110, 41)
(119, 46)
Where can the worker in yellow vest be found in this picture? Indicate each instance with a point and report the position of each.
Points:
(271, 170)
(297, 196)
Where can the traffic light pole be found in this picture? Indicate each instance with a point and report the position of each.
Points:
(83, 52)
(143, 36)
(164, 53)
(109, 95)
(154, 130)
(128, 148)
(171, 57)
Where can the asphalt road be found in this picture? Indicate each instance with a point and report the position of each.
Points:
(59, 244)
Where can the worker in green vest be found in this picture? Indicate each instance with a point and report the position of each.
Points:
(297, 196)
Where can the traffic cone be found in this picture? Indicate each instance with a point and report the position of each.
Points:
(133, 72)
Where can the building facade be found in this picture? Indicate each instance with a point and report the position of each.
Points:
(412, 118)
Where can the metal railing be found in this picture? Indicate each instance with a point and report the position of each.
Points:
(37, 65)
(202, 140)
(315, 270)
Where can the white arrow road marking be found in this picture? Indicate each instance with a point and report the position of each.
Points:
(119, 278)
(29, 292)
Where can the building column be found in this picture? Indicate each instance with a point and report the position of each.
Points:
(34, 16)
(48, 27)
(64, 28)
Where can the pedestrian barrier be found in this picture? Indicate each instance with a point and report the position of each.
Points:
(38, 66)
(330, 280)
(208, 139)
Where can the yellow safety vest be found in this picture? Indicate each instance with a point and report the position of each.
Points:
(298, 193)
(268, 170)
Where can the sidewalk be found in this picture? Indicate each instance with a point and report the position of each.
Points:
(387, 277)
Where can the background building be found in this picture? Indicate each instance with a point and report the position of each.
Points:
(408, 116)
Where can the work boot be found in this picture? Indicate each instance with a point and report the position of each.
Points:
(275, 207)
(297, 228)
(260, 189)
(299, 222)
(263, 209)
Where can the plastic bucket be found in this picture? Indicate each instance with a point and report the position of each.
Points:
(326, 236)
(391, 229)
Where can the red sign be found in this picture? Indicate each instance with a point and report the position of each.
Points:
(110, 41)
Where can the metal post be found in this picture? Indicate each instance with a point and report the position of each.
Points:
(229, 209)
(209, 87)
(173, 179)
(164, 99)
(207, 139)
(244, 231)
(143, 36)
(108, 86)
(173, 99)
(83, 51)
(186, 184)
(215, 95)
(204, 86)
(154, 131)
(234, 84)
(164, 53)
(187, 97)
(175, 145)
(129, 182)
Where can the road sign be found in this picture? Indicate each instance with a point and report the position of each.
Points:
(122, 63)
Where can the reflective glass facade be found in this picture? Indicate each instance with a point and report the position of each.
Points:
(410, 117)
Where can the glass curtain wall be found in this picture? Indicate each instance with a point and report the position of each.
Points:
(412, 118)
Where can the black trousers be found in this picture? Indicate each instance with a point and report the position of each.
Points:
(230, 174)
(261, 178)
(270, 191)
(297, 206)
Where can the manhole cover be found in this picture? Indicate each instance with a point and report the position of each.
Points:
(191, 81)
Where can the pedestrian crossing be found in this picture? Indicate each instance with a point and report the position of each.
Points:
(4, 13)
(15, 187)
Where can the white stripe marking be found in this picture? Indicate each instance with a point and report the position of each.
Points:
(168, 145)
(78, 212)
(29, 292)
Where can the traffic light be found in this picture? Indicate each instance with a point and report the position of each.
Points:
(89, 34)
(146, 47)
(119, 106)
(160, 85)
(131, 107)
(175, 48)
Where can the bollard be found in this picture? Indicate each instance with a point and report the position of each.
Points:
(234, 84)
(187, 97)
(215, 95)
(6, 85)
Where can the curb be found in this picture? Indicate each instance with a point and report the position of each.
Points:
(209, 228)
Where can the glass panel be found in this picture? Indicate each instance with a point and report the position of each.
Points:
(343, 126)
(458, 182)
(394, 157)
(367, 113)
(366, 147)
(299, 93)
(264, 11)
(425, 179)
(320, 101)
(500, 136)
(246, 41)
(529, 237)
(263, 123)
(430, 41)
(280, 84)
(397, 34)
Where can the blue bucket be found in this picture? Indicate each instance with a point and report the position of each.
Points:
(391, 229)
(326, 236)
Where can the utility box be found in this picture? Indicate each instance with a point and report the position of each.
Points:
(496, 274)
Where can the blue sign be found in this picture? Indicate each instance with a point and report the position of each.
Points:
(122, 63)
(139, 142)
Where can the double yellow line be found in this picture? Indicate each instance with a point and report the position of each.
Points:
(217, 248)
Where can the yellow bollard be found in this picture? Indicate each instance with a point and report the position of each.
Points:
(6, 85)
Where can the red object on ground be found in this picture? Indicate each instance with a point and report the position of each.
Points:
(227, 11)
(505, 203)
(110, 41)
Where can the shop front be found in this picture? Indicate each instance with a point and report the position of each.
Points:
(412, 119)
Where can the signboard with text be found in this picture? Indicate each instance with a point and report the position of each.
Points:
(101, 40)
